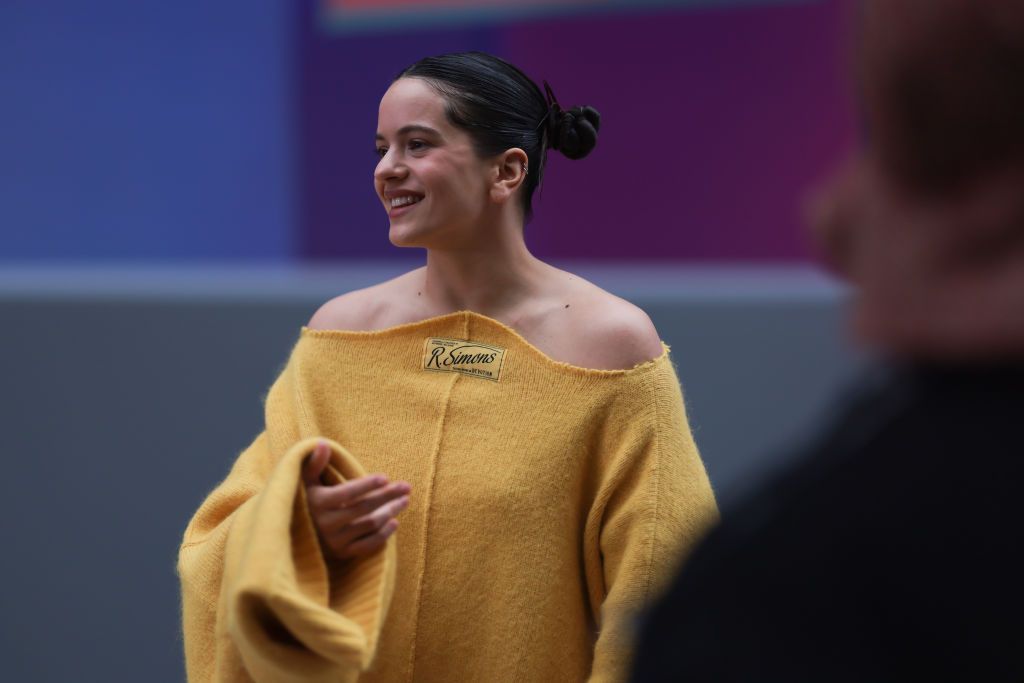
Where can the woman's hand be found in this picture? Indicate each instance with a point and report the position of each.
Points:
(353, 519)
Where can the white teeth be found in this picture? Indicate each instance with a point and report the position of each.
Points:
(404, 200)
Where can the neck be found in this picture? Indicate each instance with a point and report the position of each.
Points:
(971, 316)
(491, 276)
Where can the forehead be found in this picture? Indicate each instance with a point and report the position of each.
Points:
(411, 101)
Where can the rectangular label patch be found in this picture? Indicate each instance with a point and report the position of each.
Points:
(465, 357)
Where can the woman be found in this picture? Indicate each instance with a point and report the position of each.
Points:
(528, 427)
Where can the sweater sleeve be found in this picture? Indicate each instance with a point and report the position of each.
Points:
(259, 603)
(653, 503)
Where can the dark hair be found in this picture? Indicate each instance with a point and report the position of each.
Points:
(501, 108)
(944, 85)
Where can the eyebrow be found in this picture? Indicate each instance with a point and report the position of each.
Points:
(414, 128)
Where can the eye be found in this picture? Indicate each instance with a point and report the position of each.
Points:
(417, 145)
(381, 151)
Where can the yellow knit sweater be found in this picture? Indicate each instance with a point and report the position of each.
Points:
(549, 504)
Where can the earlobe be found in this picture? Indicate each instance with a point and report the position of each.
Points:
(502, 190)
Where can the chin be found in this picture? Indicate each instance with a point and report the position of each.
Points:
(401, 238)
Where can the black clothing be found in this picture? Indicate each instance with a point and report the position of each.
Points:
(894, 550)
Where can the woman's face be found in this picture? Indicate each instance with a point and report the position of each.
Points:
(434, 188)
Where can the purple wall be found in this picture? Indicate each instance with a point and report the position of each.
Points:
(714, 123)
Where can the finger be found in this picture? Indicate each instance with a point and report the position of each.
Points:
(333, 519)
(315, 464)
(323, 499)
(370, 544)
(371, 523)
(343, 495)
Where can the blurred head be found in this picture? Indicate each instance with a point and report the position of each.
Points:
(943, 87)
(928, 218)
(491, 128)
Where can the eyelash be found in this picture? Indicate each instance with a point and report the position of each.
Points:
(421, 144)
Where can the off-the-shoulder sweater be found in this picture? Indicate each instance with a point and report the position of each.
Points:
(550, 503)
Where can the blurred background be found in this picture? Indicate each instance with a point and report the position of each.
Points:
(183, 184)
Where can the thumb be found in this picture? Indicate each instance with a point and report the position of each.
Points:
(315, 464)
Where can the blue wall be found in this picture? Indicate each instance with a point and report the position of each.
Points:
(146, 130)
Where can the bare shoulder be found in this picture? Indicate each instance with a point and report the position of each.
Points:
(607, 331)
(369, 308)
(619, 334)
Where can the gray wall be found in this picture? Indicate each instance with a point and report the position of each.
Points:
(128, 393)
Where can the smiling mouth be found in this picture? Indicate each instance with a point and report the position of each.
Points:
(406, 200)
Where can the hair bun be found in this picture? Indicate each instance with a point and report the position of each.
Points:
(574, 132)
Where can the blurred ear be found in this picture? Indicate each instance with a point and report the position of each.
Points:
(509, 172)
(832, 211)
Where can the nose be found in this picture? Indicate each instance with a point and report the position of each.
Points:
(389, 168)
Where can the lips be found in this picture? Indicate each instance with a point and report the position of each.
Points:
(405, 208)
(406, 200)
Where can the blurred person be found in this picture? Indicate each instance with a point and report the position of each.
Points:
(528, 429)
(894, 549)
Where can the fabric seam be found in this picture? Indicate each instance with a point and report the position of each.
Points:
(303, 416)
(426, 516)
(657, 498)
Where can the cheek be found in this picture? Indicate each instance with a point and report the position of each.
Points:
(470, 192)
(454, 189)
(448, 190)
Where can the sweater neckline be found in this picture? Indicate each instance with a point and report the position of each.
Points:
(511, 332)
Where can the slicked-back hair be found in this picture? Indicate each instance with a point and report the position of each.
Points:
(500, 107)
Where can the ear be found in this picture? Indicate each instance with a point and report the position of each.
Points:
(509, 172)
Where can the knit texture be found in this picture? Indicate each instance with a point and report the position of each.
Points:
(550, 503)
